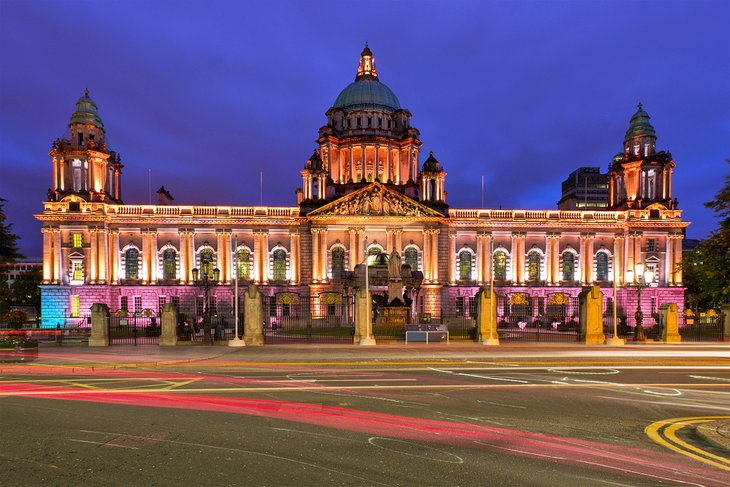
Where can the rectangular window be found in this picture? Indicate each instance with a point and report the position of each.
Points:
(75, 306)
(651, 245)
(460, 306)
(213, 305)
(175, 301)
(78, 271)
(161, 300)
(124, 303)
(77, 240)
(138, 304)
(199, 305)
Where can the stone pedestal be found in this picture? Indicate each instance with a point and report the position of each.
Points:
(591, 315)
(395, 315)
(669, 319)
(253, 331)
(168, 335)
(99, 325)
(395, 290)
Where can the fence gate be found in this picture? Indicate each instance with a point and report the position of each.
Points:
(703, 328)
(322, 318)
(525, 318)
(134, 330)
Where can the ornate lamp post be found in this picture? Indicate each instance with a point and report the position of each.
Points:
(236, 342)
(644, 277)
(205, 281)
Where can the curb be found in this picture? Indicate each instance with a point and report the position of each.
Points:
(717, 433)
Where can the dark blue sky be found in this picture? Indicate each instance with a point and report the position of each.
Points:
(207, 94)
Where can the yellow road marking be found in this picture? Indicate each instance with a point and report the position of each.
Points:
(665, 433)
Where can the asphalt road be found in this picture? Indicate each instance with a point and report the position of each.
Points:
(563, 418)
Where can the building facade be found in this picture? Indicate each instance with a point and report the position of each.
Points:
(363, 191)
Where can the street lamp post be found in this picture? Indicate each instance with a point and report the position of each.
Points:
(644, 277)
(205, 281)
(367, 339)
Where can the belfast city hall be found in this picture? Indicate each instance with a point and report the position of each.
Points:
(367, 194)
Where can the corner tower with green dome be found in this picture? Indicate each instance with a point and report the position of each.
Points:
(368, 137)
(83, 167)
(640, 177)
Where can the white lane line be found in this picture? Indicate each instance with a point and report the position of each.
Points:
(709, 378)
(289, 430)
(500, 404)
(675, 404)
(618, 384)
(478, 376)
(674, 393)
(378, 440)
(104, 444)
(585, 371)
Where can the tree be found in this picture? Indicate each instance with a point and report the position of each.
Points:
(8, 254)
(707, 267)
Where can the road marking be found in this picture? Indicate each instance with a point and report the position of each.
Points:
(663, 393)
(18, 459)
(478, 376)
(375, 440)
(665, 433)
(590, 371)
(104, 444)
(500, 404)
(676, 404)
(709, 378)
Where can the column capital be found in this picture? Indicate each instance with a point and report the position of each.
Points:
(293, 232)
(186, 231)
(619, 236)
(519, 234)
(587, 235)
(483, 235)
(261, 233)
(553, 235)
(223, 231)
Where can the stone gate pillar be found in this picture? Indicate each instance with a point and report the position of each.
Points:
(168, 336)
(487, 312)
(669, 319)
(253, 332)
(591, 315)
(99, 325)
(363, 312)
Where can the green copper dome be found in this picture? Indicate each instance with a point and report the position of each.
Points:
(431, 164)
(640, 125)
(367, 92)
(86, 111)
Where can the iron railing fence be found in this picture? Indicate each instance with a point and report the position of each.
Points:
(294, 318)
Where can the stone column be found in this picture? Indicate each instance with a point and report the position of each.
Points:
(168, 332)
(93, 257)
(618, 259)
(315, 255)
(99, 325)
(102, 274)
(114, 256)
(435, 254)
(228, 259)
(153, 258)
(452, 258)
(388, 165)
(323, 254)
(377, 162)
(489, 257)
(481, 254)
(678, 259)
(556, 259)
(253, 316)
(294, 255)
(265, 256)
(427, 255)
(47, 254)
(629, 258)
(589, 258)
(514, 253)
(184, 269)
(591, 315)
(59, 269)
(398, 233)
(353, 255)
(549, 259)
(363, 164)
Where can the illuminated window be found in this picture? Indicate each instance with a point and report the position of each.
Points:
(465, 265)
(568, 266)
(124, 303)
(243, 264)
(161, 300)
(77, 240)
(602, 266)
(533, 266)
(75, 306)
(338, 262)
(175, 300)
(206, 263)
(78, 271)
(651, 245)
(138, 304)
(279, 264)
(169, 264)
(412, 258)
(131, 263)
(500, 265)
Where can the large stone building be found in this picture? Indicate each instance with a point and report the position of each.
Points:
(363, 189)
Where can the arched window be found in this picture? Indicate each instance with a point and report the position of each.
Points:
(131, 264)
(279, 264)
(373, 253)
(568, 266)
(412, 258)
(206, 263)
(465, 265)
(602, 266)
(338, 262)
(500, 265)
(243, 264)
(533, 266)
(169, 266)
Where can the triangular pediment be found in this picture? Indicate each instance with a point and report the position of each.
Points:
(376, 199)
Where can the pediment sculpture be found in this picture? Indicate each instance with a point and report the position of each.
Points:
(375, 200)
